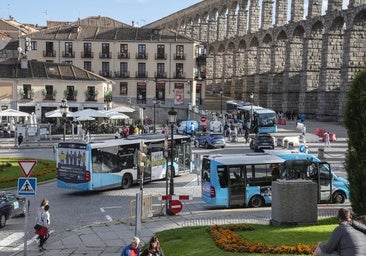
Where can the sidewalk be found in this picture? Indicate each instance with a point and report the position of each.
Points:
(108, 238)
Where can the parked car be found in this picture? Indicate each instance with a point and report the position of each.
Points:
(262, 141)
(210, 140)
(11, 206)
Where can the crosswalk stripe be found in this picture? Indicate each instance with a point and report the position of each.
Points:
(11, 239)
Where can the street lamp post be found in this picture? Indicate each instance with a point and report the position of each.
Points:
(251, 110)
(221, 93)
(64, 108)
(155, 102)
(172, 119)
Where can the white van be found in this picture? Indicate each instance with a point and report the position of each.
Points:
(185, 127)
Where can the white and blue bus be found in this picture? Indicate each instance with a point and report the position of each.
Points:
(238, 180)
(245, 180)
(259, 119)
(114, 163)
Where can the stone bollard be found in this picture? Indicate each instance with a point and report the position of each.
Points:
(321, 153)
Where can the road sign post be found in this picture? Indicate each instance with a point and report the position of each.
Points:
(27, 187)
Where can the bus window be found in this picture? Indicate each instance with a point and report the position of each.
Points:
(235, 174)
(262, 175)
(223, 177)
(205, 169)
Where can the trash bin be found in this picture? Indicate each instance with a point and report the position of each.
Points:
(321, 153)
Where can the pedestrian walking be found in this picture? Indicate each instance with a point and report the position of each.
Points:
(327, 139)
(246, 135)
(132, 249)
(43, 222)
(303, 129)
(20, 139)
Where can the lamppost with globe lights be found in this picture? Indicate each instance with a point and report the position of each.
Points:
(172, 119)
(251, 110)
(155, 102)
(221, 93)
(64, 108)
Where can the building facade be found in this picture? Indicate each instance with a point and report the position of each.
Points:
(145, 65)
(39, 87)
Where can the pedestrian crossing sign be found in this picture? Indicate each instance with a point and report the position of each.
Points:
(27, 186)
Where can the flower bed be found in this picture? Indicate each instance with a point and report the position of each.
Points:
(226, 239)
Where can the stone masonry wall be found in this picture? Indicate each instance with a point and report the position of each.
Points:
(292, 60)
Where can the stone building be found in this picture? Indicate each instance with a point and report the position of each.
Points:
(39, 87)
(146, 65)
(291, 58)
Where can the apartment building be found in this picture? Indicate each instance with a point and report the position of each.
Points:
(145, 65)
(39, 87)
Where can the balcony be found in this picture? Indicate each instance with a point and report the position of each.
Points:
(160, 75)
(161, 56)
(179, 75)
(87, 55)
(68, 54)
(123, 55)
(105, 55)
(105, 73)
(141, 55)
(181, 56)
(49, 53)
(140, 74)
(90, 97)
(123, 74)
(48, 97)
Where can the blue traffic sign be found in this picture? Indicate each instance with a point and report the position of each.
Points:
(302, 148)
(27, 186)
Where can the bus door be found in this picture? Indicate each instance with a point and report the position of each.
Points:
(236, 186)
(322, 174)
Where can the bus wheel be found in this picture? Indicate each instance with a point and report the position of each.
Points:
(126, 181)
(256, 201)
(339, 197)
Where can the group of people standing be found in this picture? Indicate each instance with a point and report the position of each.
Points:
(133, 249)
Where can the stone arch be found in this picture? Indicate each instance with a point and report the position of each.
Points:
(242, 68)
(311, 80)
(279, 61)
(219, 65)
(210, 64)
(292, 81)
(358, 45)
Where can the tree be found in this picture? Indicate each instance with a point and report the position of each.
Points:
(355, 123)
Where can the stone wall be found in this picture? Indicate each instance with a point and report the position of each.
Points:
(292, 60)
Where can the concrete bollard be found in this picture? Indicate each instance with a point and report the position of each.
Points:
(321, 153)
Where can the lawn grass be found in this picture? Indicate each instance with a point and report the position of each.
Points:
(196, 241)
(10, 171)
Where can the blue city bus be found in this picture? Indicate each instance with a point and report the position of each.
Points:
(114, 163)
(245, 180)
(238, 180)
(259, 119)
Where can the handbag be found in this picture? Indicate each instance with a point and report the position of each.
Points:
(37, 227)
